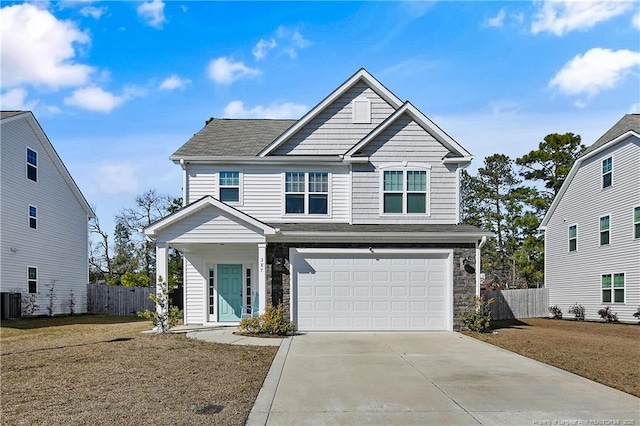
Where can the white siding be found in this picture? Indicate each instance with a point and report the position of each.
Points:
(404, 140)
(574, 277)
(262, 192)
(59, 246)
(333, 131)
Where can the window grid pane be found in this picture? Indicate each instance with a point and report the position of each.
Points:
(618, 296)
(393, 203)
(416, 203)
(607, 165)
(294, 182)
(606, 296)
(393, 180)
(573, 230)
(32, 157)
(319, 182)
(229, 178)
(294, 203)
(604, 223)
(33, 274)
(417, 181)
(618, 280)
(317, 204)
(606, 281)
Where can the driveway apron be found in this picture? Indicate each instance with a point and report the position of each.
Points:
(427, 378)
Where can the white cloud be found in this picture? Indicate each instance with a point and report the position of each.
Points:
(597, 70)
(174, 82)
(292, 40)
(153, 13)
(560, 17)
(94, 12)
(15, 99)
(116, 178)
(635, 108)
(497, 21)
(236, 109)
(504, 107)
(262, 47)
(225, 71)
(39, 49)
(635, 21)
(96, 99)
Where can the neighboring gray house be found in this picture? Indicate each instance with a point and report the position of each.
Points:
(43, 226)
(592, 229)
(348, 216)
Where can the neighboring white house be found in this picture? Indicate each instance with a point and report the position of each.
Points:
(592, 229)
(43, 220)
(348, 216)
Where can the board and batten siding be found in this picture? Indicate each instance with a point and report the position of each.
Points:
(404, 140)
(575, 277)
(262, 190)
(198, 262)
(58, 248)
(333, 131)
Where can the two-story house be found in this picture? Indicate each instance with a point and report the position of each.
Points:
(348, 216)
(43, 228)
(592, 228)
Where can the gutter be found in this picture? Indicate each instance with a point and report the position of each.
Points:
(257, 160)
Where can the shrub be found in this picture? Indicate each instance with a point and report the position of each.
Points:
(608, 315)
(556, 313)
(577, 311)
(165, 315)
(637, 314)
(272, 322)
(479, 318)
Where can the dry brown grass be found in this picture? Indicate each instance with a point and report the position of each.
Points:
(102, 370)
(605, 353)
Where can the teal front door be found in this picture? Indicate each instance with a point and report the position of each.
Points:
(229, 292)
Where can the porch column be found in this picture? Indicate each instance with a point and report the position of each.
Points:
(162, 266)
(262, 277)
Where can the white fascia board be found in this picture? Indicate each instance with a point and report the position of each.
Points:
(303, 251)
(288, 159)
(424, 122)
(462, 161)
(207, 201)
(53, 154)
(363, 75)
(574, 169)
(390, 237)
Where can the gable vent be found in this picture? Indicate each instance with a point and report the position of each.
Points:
(361, 110)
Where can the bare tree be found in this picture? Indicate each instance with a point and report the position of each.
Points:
(99, 256)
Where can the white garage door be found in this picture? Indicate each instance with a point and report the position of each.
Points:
(372, 291)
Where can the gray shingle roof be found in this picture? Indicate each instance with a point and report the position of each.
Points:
(626, 123)
(233, 137)
(408, 228)
(7, 114)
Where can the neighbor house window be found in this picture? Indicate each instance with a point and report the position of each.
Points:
(605, 233)
(636, 222)
(229, 187)
(404, 191)
(32, 279)
(33, 217)
(32, 165)
(607, 170)
(573, 237)
(306, 192)
(613, 288)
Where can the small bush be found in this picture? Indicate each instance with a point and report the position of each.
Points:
(479, 319)
(165, 315)
(637, 314)
(608, 315)
(577, 311)
(272, 322)
(556, 313)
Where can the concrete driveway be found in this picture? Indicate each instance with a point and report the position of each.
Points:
(426, 378)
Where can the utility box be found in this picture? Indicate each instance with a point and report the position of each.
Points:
(10, 306)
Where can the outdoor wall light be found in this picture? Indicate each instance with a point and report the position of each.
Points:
(466, 264)
(277, 264)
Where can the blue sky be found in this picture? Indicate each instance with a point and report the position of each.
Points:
(119, 86)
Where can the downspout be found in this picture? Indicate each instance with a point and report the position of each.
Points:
(185, 183)
(185, 192)
(479, 246)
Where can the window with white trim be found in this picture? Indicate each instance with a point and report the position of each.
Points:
(404, 191)
(32, 165)
(306, 193)
(33, 217)
(612, 288)
(607, 172)
(573, 238)
(229, 186)
(32, 279)
(636, 222)
(361, 110)
(605, 230)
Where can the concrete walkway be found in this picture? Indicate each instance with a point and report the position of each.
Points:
(219, 334)
(426, 378)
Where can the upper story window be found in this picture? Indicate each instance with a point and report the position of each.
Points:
(404, 191)
(607, 172)
(573, 238)
(306, 193)
(33, 217)
(32, 279)
(32, 165)
(636, 222)
(361, 108)
(605, 230)
(617, 289)
(229, 185)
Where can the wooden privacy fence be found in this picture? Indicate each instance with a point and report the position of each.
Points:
(118, 300)
(522, 303)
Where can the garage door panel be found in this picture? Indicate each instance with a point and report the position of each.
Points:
(372, 291)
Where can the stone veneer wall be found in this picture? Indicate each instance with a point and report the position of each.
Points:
(464, 284)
